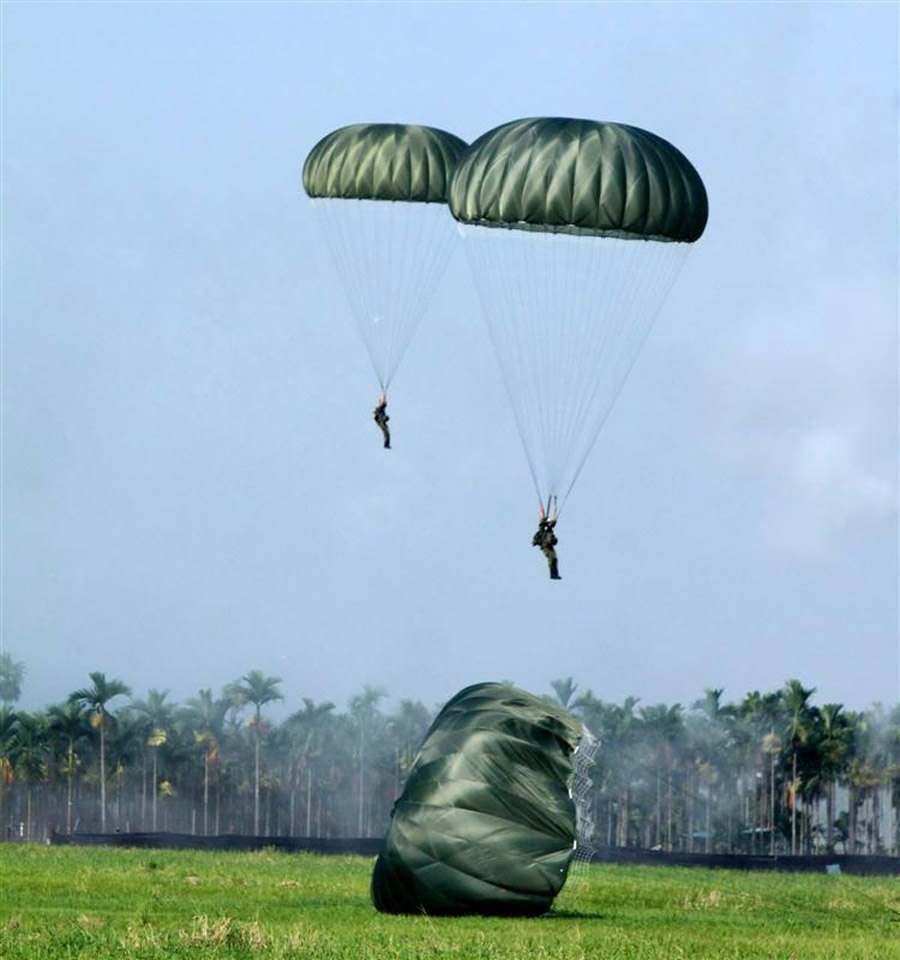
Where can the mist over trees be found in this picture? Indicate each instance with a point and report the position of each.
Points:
(770, 773)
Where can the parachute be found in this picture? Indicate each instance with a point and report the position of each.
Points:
(599, 218)
(486, 822)
(389, 255)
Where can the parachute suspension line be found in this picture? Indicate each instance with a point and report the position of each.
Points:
(600, 318)
(351, 260)
(648, 279)
(395, 229)
(567, 316)
(390, 256)
(596, 338)
(435, 253)
(567, 256)
(524, 349)
(486, 266)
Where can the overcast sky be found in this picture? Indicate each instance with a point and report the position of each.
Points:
(192, 483)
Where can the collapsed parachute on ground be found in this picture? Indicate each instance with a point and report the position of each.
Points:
(599, 218)
(379, 191)
(486, 822)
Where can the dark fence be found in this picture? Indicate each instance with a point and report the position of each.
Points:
(364, 846)
(370, 846)
(819, 863)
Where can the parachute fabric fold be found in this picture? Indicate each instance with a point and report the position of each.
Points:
(383, 161)
(486, 822)
(580, 176)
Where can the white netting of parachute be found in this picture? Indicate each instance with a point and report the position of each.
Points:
(390, 256)
(567, 315)
(581, 790)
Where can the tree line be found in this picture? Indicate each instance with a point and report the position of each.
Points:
(770, 774)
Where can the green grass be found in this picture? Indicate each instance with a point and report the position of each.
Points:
(96, 903)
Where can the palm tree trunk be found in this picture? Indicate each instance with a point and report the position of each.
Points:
(206, 793)
(70, 773)
(772, 807)
(256, 783)
(362, 748)
(707, 845)
(309, 800)
(102, 778)
(143, 790)
(658, 825)
(155, 790)
(690, 819)
(669, 811)
(794, 799)
(876, 819)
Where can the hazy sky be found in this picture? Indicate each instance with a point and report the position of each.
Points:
(192, 483)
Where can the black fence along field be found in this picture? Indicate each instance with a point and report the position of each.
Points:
(370, 847)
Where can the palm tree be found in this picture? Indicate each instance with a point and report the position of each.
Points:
(798, 726)
(663, 726)
(564, 690)
(68, 723)
(155, 716)
(615, 727)
(893, 771)
(761, 714)
(869, 771)
(205, 715)
(834, 747)
(8, 723)
(125, 746)
(711, 735)
(757, 716)
(407, 728)
(257, 689)
(11, 675)
(95, 698)
(307, 724)
(32, 749)
(364, 708)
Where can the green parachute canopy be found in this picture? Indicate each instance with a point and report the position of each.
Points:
(569, 297)
(486, 822)
(389, 256)
(383, 161)
(580, 176)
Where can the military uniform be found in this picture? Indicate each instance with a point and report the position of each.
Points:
(381, 418)
(546, 539)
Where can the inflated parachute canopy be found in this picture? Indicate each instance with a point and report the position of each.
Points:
(383, 161)
(486, 822)
(579, 176)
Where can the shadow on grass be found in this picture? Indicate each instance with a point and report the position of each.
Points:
(574, 915)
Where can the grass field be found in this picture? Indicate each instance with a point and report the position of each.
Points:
(94, 903)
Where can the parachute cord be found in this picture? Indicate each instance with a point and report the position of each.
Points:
(628, 347)
(567, 317)
(390, 256)
(486, 268)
